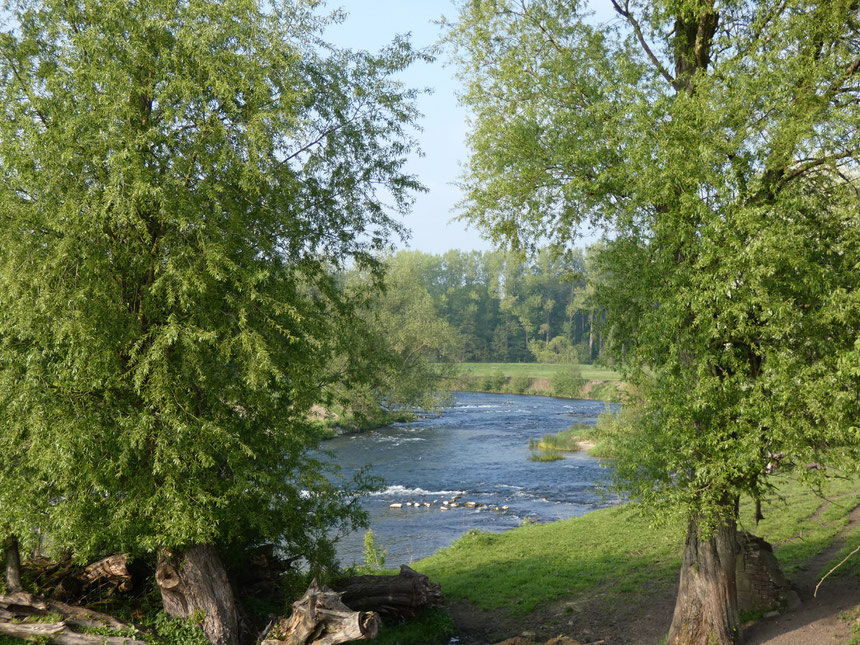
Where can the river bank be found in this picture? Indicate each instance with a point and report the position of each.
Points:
(611, 576)
(580, 381)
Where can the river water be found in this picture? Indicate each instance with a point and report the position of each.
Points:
(477, 448)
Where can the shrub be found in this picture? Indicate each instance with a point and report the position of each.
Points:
(567, 381)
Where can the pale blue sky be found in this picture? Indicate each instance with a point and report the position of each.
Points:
(370, 25)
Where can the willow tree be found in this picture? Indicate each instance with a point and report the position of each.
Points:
(177, 180)
(718, 142)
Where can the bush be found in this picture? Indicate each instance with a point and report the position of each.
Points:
(519, 384)
(493, 382)
(567, 381)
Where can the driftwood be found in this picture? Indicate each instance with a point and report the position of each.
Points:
(60, 634)
(403, 595)
(112, 570)
(22, 605)
(320, 618)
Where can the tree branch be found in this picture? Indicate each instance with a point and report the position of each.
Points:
(625, 13)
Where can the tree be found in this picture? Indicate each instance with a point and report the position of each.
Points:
(719, 143)
(177, 180)
(398, 353)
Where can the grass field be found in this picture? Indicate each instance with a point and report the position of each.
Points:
(535, 370)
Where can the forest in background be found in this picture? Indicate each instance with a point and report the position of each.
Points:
(508, 309)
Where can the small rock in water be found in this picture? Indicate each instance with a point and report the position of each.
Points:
(427, 504)
(505, 507)
(453, 504)
(471, 505)
(397, 505)
(443, 508)
(454, 498)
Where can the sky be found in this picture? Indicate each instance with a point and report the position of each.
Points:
(370, 25)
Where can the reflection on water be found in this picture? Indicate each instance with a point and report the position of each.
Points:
(477, 449)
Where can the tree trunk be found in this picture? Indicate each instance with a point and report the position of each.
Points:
(706, 610)
(196, 581)
(591, 336)
(13, 565)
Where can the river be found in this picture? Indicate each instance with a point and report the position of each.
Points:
(477, 448)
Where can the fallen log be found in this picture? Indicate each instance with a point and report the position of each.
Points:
(320, 618)
(403, 595)
(112, 570)
(22, 605)
(60, 634)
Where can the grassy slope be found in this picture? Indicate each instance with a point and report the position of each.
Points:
(616, 555)
(535, 370)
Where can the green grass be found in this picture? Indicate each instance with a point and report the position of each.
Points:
(799, 522)
(431, 626)
(617, 554)
(535, 370)
(852, 617)
(564, 441)
(568, 440)
(546, 455)
(523, 568)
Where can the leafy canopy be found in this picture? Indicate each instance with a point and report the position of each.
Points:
(718, 143)
(177, 182)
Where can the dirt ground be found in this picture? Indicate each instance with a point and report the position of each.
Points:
(816, 621)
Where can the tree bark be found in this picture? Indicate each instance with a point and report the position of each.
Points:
(196, 582)
(13, 565)
(320, 618)
(402, 595)
(706, 610)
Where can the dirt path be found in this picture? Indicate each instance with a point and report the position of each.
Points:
(816, 621)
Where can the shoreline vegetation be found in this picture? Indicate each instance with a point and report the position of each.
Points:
(574, 381)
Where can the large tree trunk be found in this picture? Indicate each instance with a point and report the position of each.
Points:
(706, 610)
(13, 565)
(196, 581)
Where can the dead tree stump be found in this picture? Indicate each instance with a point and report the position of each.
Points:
(403, 595)
(320, 618)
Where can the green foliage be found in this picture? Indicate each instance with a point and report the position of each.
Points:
(729, 182)
(519, 384)
(504, 307)
(173, 631)
(544, 454)
(431, 627)
(567, 381)
(558, 350)
(177, 184)
(492, 382)
(374, 557)
(398, 358)
(536, 370)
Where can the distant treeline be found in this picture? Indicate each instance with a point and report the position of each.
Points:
(506, 309)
